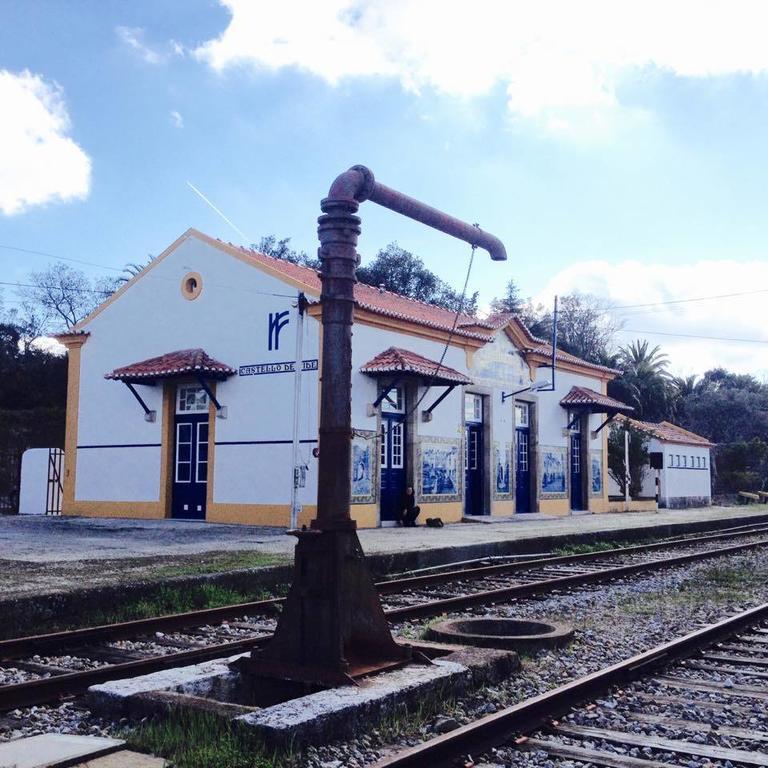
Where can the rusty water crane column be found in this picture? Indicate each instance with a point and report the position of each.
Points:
(332, 628)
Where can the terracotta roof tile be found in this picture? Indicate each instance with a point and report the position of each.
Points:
(671, 433)
(584, 396)
(179, 363)
(546, 350)
(396, 360)
(393, 305)
(382, 302)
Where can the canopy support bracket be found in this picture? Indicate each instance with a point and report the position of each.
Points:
(149, 414)
(384, 392)
(427, 415)
(208, 391)
(610, 418)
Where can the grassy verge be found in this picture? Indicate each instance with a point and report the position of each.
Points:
(596, 546)
(167, 600)
(201, 740)
(173, 600)
(219, 562)
(718, 583)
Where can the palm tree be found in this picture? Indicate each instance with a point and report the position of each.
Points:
(684, 387)
(131, 270)
(645, 383)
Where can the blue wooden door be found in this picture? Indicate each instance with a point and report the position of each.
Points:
(473, 470)
(522, 470)
(577, 502)
(190, 454)
(392, 463)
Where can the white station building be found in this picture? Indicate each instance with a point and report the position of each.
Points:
(181, 396)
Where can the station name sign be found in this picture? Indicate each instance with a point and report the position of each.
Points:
(260, 369)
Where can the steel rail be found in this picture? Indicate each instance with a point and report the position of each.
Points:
(502, 726)
(410, 582)
(39, 691)
(450, 604)
(15, 647)
(45, 689)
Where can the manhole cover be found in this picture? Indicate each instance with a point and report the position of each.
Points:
(515, 634)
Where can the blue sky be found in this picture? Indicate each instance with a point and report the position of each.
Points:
(619, 150)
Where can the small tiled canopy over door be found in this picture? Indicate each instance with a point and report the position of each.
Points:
(582, 402)
(396, 368)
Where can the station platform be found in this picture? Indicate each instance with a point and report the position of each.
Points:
(39, 539)
(53, 565)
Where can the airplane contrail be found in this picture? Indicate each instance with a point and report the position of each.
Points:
(234, 226)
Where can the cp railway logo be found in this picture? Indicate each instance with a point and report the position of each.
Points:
(277, 321)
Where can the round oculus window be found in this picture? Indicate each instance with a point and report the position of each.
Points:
(191, 286)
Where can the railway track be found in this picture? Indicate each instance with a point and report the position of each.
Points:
(701, 697)
(46, 667)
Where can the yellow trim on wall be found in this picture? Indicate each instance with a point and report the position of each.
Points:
(365, 515)
(558, 507)
(375, 320)
(144, 510)
(192, 232)
(135, 279)
(74, 346)
(211, 451)
(447, 511)
(502, 508)
(166, 447)
(567, 365)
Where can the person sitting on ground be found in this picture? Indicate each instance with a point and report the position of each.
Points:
(410, 510)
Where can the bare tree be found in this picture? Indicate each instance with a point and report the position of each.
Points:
(60, 296)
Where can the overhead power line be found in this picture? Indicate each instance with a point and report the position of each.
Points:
(685, 301)
(59, 258)
(695, 336)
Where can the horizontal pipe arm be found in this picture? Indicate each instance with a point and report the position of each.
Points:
(426, 214)
(358, 184)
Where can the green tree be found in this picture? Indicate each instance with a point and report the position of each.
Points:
(741, 466)
(132, 269)
(645, 383)
(400, 271)
(638, 458)
(511, 301)
(281, 249)
(583, 329)
(726, 414)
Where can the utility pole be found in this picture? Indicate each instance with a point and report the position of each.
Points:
(627, 477)
(297, 371)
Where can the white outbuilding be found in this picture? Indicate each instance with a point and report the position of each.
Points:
(685, 476)
(182, 390)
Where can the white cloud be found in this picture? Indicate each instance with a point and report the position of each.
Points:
(736, 317)
(39, 161)
(177, 119)
(133, 37)
(556, 58)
